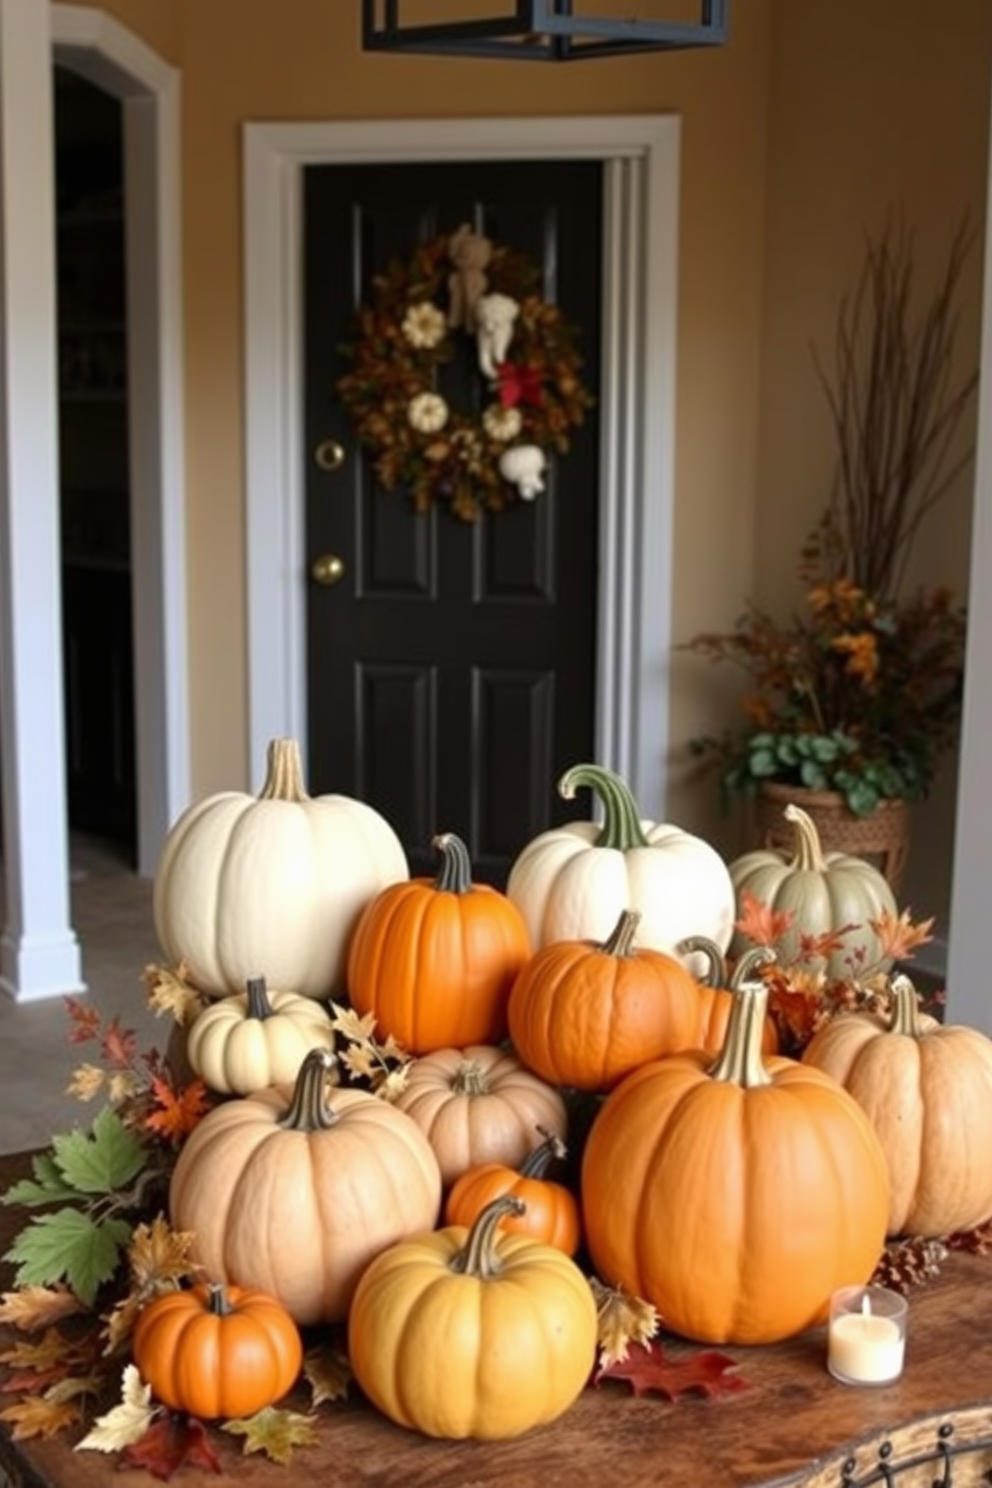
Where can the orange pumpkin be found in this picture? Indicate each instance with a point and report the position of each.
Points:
(434, 959)
(217, 1351)
(551, 1212)
(716, 994)
(734, 1195)
(585, 1014)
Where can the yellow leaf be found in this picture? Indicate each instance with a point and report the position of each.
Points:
(40, 1417)
(329, 1374)
(124, 1423)
(274, 1432)
(396, 1081)
(359, 1060)
(86, 1082)
(357, 1030)
(159, 1256)
(49, 1350)
(120, 1324)
(170, 992)
(622, 1320)
(37, 1307)
(73, 1386)
(122, 1086)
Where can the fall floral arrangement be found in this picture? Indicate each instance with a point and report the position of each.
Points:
(462, 300)
(860, 691)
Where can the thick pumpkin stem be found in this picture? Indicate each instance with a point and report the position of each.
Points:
(621, 819)
(538, 1161)
(470, 1079)
(751, 961)
(218, 1302)
(905, 1008)
(479, 1256)
(621, 940)
(309, 1110)
(455, 873)
(283, 773)
(259, 1005)
(716, 973)
(739, 1061)
(808, 852)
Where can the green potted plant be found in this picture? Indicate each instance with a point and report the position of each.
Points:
(857, 694)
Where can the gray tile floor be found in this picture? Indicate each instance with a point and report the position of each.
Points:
(111, 911)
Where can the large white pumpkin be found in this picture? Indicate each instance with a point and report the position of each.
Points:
(573, 882)
(271, 885)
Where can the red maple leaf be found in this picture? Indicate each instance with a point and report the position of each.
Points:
(85, 1020)
(760, 923)
(648, 1369)
(170, 1442)
(178, 1111)
(119, 1045)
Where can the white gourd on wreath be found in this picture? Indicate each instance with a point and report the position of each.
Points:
(271, 885)
(824, 891)
(574, 881)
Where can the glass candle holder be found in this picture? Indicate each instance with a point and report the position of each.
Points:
(867, 1335)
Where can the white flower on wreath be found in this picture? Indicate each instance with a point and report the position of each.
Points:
(502, 424)
(424, 325)
(427, 413)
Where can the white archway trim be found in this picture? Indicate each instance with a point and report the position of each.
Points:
(99, 48)
(637, 404)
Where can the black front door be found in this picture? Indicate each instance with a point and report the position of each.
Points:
(451, 665)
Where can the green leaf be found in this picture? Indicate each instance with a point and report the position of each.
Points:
(69, 1244)
(103, 1161)
(812, 776)
(862, 798)
(47, 1187)
(824, 749)
(763, 762)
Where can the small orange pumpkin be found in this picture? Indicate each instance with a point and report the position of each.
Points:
(716, 993)
(434, 959)
(551, 1212)
(217, 1351)
(584, 1013)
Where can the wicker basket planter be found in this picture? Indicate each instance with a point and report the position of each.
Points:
(882, 838)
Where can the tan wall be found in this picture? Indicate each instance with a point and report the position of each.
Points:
(815, 117)
(876, 107)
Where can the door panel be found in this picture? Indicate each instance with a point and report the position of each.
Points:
(451, 671)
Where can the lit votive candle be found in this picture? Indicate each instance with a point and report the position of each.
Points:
(867, 1335)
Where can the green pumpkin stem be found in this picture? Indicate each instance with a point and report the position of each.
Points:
(479, 1258)
(739, 1061)
(309, 1109)
(621, 819)
(905, 1008)
(259, 1005)
(283, 773)
(218, 1303)
(808, 852)
(621, 939)
(470, 1079)
(539, 1159)
(455, 873)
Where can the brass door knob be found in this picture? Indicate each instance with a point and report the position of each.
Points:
(329, 455)
(327, 569)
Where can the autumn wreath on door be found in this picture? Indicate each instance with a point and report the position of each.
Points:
(528, 392)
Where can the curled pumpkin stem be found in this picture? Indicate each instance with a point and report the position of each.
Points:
(621, 819)
(479, 1256)
(309, 1110)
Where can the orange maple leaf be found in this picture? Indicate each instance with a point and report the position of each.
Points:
(899, 936)
(760, 923)
(119, 1045)
(178, 1111)
(85, 1020)
(813, 947)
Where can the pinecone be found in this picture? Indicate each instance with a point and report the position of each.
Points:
(908, 1263)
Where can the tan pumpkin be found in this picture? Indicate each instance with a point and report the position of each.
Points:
(823, 892)
(927, 1089)
(479, 1105)
(255, 1038)
(271, 885)
(717, 992)
(294, 1191)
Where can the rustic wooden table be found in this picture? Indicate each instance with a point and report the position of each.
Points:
(794, 1425)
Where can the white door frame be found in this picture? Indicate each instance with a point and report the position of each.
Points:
(39, 956)
(640, 156)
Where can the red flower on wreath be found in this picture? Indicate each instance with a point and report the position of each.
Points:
(517, 384)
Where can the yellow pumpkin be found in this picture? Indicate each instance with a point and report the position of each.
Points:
(294, 1191)
(255, 1038)
(927, 1089)
(271, 885)
(473, 1333)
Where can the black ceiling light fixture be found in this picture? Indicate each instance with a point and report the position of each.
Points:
(539, 30)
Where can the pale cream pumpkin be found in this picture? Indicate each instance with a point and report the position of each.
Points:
(927, 1089)
(480, 1105)
(294, 1191)
(823, 892)
(255, 1038)
(271, 885)
(574, 881)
